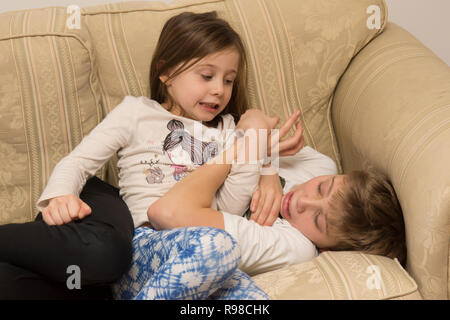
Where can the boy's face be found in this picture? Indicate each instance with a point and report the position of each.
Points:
(307, 206)
(204, 90)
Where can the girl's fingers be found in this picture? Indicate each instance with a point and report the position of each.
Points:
(74, 208)
(64, 214)
(56, 216)
(292, 151)
(288, 124)
(47, 217)
(292, 142)
(85, 210)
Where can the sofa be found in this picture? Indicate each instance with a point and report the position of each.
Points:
(369, 93)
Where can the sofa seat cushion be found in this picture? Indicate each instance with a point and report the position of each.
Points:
(48, 102)
(340, 275)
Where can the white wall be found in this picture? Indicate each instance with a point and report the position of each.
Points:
(427, 20)
(8, 5)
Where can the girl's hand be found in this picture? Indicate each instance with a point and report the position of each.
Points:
(64, 209)
(266, 200)
(290, 146)
(256, 119)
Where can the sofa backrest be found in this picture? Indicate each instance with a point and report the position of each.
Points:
(297, 52)
(57, 83)
(49, 100)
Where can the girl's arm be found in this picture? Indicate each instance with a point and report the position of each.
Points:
(235, 193)
(71, 172)
(266, 200)
(188, 203)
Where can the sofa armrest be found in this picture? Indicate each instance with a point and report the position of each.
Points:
(392, 109)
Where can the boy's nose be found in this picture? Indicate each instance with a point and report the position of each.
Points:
(304, 203)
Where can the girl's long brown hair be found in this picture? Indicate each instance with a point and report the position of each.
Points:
(186, 39)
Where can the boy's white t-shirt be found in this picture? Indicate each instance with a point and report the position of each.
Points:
(145, 137)
(266, 248)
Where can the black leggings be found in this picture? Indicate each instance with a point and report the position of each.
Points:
(35, 257)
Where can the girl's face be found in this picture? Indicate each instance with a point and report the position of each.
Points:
(204, 90)
(307, 206)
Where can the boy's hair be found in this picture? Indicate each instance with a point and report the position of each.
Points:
(368, 216)
(189, 37)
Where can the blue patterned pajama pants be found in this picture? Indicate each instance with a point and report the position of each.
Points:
(185, 263)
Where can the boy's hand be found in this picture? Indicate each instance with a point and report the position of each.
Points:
(266, 200)
(64, 209)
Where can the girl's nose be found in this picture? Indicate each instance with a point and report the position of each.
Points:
(217, 87)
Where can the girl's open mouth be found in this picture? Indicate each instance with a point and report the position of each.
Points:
(211, 107)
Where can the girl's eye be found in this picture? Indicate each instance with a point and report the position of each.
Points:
(319, 189)
(206, 77)
(229, 81)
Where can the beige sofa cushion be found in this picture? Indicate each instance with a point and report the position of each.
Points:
(297, 50)
(340, 275)
(49, 101)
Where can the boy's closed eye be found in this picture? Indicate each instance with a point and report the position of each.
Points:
(317, 224)
(323, 190)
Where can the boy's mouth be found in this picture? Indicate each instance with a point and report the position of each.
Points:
(285, 205)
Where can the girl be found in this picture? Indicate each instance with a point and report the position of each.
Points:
(198, 73)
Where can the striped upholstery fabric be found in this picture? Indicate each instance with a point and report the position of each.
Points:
(297, 51)
(49, 101)
(392, 107)
(341, 276)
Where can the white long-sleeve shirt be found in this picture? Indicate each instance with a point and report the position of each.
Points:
(266, 248)
(145, 137)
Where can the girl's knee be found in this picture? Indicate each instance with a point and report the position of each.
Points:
(109, 259)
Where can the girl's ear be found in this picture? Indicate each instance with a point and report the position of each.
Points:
(164, 77)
